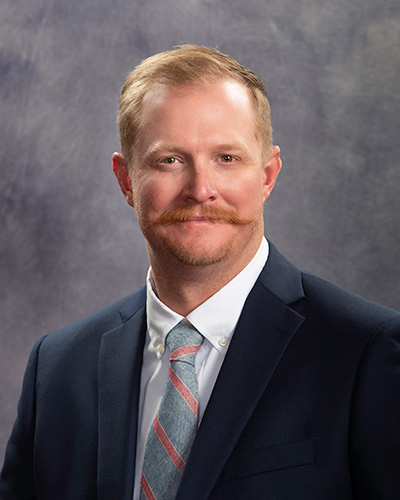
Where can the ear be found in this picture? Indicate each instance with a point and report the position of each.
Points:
(121, 172)
(271, 171)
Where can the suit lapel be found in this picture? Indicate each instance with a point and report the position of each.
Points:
(265, 328)
(120, 365)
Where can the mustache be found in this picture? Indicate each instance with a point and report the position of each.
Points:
(210, 214)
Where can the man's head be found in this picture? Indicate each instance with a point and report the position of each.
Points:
(187, 64)
(196, 165)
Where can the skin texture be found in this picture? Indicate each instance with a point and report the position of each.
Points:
(198, 183)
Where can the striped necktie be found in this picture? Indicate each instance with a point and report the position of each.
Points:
(174, 428)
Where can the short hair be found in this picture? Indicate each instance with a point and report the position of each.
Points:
(186, 64)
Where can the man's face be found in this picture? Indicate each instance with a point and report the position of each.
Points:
(198, 178)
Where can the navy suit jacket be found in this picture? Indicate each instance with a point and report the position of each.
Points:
(306, 405)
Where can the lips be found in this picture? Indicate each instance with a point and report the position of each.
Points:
(201, 218)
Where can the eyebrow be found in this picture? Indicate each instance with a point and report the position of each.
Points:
(159, 147)
(233, 146)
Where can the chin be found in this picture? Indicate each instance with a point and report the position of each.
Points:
(194, 256)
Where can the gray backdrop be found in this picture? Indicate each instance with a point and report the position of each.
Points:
(69, 243)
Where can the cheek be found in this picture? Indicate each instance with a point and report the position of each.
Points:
(154, 197)
(247, 195)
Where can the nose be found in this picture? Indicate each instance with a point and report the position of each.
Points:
(200, 184)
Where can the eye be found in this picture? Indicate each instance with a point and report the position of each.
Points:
(169, 161)
(226, 158)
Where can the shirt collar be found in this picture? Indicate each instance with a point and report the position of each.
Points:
(216, 318)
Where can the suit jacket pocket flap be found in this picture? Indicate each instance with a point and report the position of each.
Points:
(279, 456)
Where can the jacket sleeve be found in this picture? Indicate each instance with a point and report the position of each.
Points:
(17, 479)
(375, 419)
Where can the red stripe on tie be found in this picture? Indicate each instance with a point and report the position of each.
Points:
(169, 447)
(146, 489)
(184, 391)
(181, 351)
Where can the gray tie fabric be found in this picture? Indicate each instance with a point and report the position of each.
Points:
(174, 428)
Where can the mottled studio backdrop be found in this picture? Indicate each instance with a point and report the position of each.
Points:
(69, 243)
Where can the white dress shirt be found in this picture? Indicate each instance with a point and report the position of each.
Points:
(215, 319)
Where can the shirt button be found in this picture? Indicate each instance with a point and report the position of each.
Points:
(159, 348)
(223, 342)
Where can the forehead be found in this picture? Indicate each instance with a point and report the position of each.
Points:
(227, 91)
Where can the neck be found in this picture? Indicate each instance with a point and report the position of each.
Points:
(184, 287)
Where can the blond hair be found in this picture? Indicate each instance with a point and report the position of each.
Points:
(186, 64)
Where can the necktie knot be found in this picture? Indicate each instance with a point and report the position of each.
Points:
(183, 342)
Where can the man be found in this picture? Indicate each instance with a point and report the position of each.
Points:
(295, 383)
